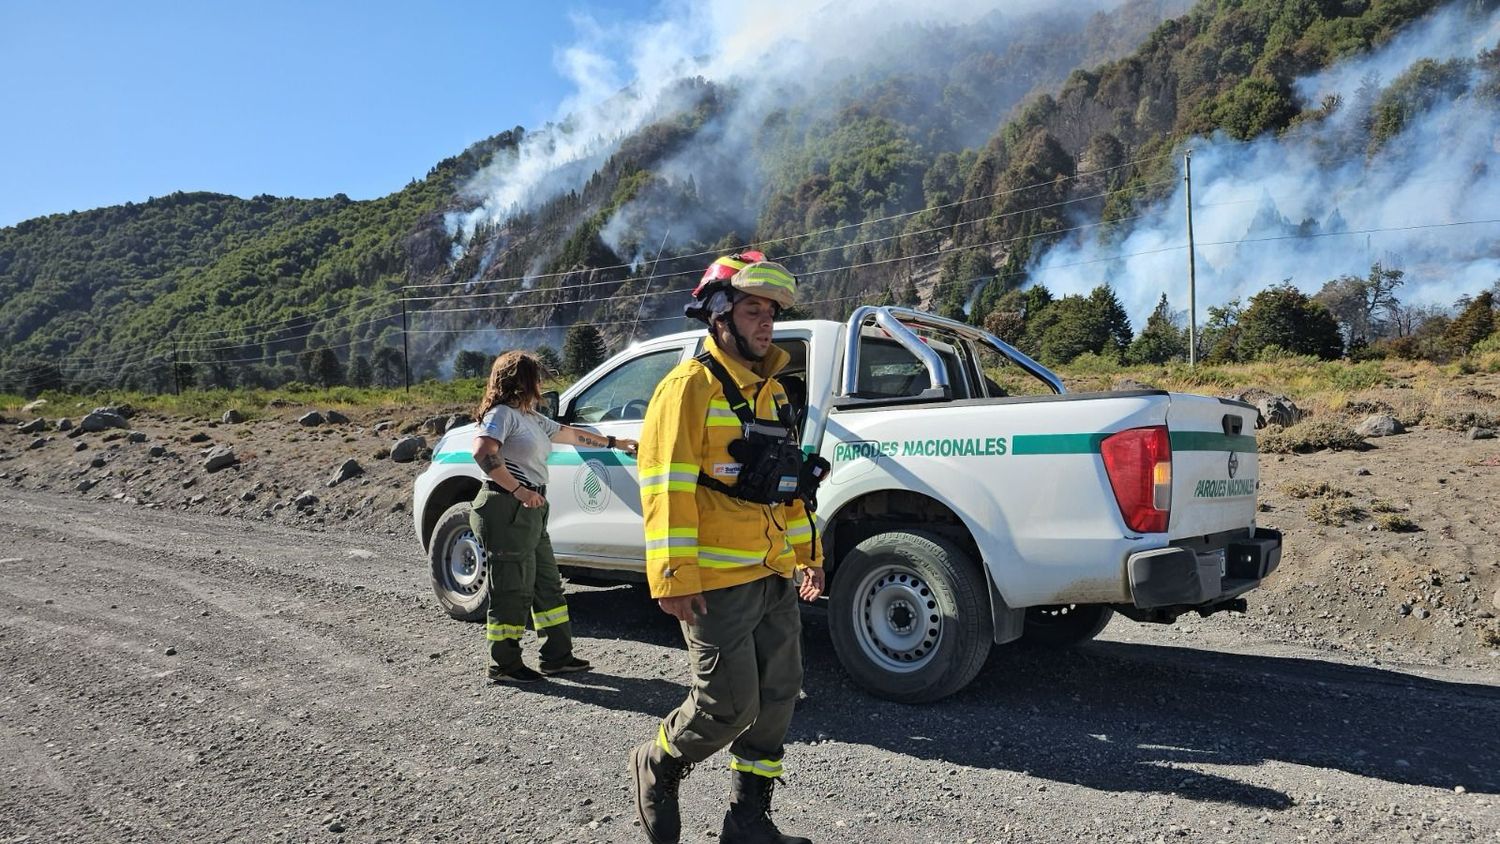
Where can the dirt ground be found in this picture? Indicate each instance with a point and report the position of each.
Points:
(193, 656)
(1428, 594)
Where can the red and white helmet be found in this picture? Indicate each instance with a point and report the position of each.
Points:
(732, 277)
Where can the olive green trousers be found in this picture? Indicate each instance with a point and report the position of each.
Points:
(746, 656)
(523, 580)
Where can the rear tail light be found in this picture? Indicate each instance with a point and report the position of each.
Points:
(1139, 464)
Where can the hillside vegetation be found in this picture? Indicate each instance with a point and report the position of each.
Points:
(889, 188)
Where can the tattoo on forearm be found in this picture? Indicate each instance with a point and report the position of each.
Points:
(489, 462)
(591, 440)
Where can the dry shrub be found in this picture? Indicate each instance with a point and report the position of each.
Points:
(1461, 418)
(1334, 513)
(1314, 489)
(1489, 635)
(1395, 523)
(1379, 506)
(1311, 436)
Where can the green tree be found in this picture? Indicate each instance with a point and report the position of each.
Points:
(388, 366)
(1474, 323)
(1219, 338)
(583, 349)
(327, 370)
(1286, 317)
(1073, 325)
(549, 359)
(471, 364)
(361, 373)
(1160, 341)
(1364, 307)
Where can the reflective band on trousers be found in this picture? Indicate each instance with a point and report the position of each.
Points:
(675, 477)
(661, 741)
(550, 618)
(760, 767)
(503, 632)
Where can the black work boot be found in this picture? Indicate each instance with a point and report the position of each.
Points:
(748, 820)
(656, 774)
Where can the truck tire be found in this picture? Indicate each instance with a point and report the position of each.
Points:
(459, 577)
(1064, 625)
(910, 616)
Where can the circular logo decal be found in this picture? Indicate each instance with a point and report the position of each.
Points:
(589, 488)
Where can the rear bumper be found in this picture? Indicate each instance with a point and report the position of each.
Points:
(1178, 576)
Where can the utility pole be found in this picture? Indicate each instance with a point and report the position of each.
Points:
(1187, 177)
(405, 350)
(176, 374)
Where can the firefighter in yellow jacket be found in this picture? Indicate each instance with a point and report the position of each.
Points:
(725, 489)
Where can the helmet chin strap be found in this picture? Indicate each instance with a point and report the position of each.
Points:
(739, 340)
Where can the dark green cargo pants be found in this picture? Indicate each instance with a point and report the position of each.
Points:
(746, 655)
(523, 580)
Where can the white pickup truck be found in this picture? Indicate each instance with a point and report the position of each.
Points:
(958, 514)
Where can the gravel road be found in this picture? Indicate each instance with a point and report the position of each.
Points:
(178, 677)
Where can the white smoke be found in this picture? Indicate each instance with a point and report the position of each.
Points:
(1416, 201)
(621, 74)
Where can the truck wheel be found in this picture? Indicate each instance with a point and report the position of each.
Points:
(459, 578)
(1063, 625)
(909, 616)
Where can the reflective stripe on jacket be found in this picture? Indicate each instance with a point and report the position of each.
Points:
(698, 539)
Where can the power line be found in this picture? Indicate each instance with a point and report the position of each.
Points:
(809, 234)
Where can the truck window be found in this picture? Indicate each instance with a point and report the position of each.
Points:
(624, 392)
(888, 370)
(1004, 378)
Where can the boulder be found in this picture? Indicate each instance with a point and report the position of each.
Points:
(1481, 433)
(406, 449)
(157, 451)
(199, 437)
(97, 463)
(65, 424)
(457, 420)
(37, 443)
(349, 469)
(102, 419)
(220, 457)
(136, 437)
(124, 411)
(436, 425)
(1279, 410)
(336, 418)
(384, 425)
(35, 426)
(306, 500)
(33, 406)
(1379, 425)
(1130, 385)
(86, 484)
(80, 446)
(232, 417)
(311, 419)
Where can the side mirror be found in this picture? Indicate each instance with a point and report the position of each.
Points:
(549, 404)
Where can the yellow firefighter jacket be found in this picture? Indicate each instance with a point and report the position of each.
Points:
(698, 539)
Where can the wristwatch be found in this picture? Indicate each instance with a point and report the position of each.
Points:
(611, 439)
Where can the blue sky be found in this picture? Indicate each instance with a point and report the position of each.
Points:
(105, 102)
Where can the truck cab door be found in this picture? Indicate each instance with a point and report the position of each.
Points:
(595, 493)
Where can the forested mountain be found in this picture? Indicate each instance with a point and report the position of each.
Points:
(874, 180)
